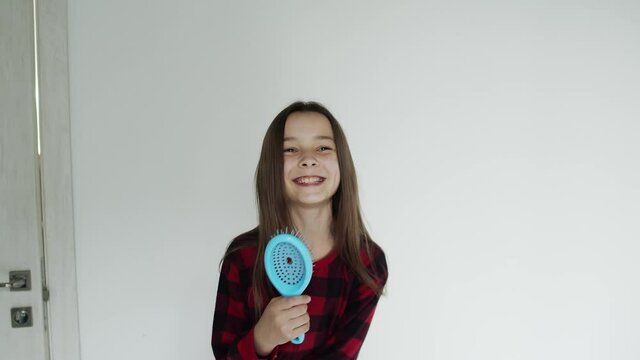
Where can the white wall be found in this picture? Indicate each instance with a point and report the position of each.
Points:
(496, 144)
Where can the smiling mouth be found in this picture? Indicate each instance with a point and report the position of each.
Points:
(303, 180)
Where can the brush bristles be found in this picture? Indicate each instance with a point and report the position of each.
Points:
(286, 230)
(295, 233)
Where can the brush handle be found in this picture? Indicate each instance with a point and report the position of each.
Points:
(298, 340)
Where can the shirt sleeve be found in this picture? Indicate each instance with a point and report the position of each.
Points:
(232, 333)
(352, 328)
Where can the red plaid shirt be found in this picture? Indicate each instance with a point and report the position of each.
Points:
(341, 308)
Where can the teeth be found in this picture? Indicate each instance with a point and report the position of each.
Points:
(309, 179)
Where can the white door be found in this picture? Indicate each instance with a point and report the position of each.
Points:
(20, 211)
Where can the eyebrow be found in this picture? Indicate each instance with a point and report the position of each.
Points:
(319, 137)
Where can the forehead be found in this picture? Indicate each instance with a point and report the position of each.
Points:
(307, 125)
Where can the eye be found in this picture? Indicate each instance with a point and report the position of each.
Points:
(324, 148)
(289, 150)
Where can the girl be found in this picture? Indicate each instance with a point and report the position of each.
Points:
(305, 180)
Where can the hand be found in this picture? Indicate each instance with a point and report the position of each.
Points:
(283, 319)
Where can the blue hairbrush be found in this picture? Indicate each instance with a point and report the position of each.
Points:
(288, 263)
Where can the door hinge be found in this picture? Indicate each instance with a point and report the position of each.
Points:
(45, 294)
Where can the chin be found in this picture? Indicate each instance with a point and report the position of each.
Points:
(312, 202)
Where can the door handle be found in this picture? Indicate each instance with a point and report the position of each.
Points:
(18, 281)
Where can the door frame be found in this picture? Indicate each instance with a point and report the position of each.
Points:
(56, 178)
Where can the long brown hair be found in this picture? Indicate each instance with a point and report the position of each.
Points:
(348, 229)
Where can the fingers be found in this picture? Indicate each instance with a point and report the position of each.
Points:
(287, 316)
(295, 311)
(301, 330)
(284, 303)
(300, 323)
(291, 308)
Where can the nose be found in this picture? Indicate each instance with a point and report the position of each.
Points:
(308, 161)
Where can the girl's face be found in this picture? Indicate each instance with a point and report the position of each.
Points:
(311, 171)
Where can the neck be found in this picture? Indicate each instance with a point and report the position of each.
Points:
(314, 224)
